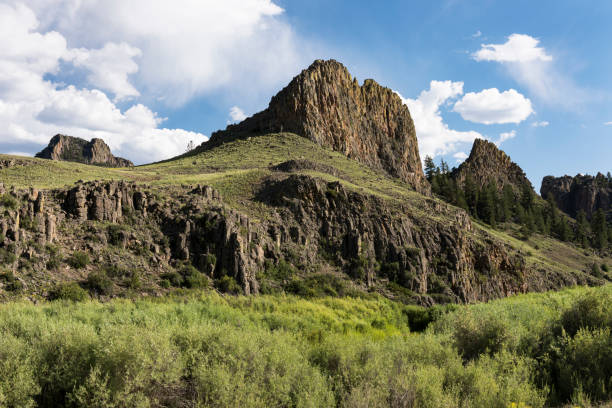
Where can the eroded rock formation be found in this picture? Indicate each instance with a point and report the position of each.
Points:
(488, 163)
(69, 148)
(328, 106)
(581, 192)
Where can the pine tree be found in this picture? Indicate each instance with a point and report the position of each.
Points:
(486, 203)
(582, 229)
(507, 203)
(430, 167)
(526, 196)
(471, 195)
(600, 229)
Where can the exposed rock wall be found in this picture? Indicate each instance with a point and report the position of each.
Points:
(573, 194)
(327, 105)
(488, 163)
(321, 223)
(69, 148)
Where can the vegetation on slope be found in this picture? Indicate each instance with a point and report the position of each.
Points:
(207, 350)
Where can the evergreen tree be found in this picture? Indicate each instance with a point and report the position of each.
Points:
(527, 196)
(582, 229)
(471, 195)
(600, 229)
(486, 203)
(507, 203)
(430, 167)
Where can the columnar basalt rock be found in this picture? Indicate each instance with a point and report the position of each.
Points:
(69, 148)
(488, 163)
(327, 105)
(582, 192)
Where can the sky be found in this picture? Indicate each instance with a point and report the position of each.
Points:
(149, 76)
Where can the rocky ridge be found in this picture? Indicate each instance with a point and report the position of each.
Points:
(69, 148)
(324, 103)
(488, 163)
(582, 192)
(313, 225)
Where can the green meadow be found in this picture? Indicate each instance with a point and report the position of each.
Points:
(208, 350)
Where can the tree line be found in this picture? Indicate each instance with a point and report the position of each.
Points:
(495, 206)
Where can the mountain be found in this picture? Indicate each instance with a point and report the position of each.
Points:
(488, 163)
(326, 104)
(75, 149)
(313, 196)
(580, 192)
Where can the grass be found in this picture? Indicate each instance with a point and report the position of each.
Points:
(212, 350)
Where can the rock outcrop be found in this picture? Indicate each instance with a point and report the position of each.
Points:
(488, 163)
(69, 148)
(581, 192)
(328, 106)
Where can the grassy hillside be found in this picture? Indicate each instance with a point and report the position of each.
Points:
(238, 168)
(208, 350)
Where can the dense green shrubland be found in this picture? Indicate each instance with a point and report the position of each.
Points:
(283, 351)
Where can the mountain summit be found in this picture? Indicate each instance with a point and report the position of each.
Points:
(326, 104)
(488, 163)
(70, 148)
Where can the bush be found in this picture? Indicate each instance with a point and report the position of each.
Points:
(99, 283)
(605, 268)
(18, 385)
(68, 291)
(79, 260)
(476, 335)
(115, 233)
(281, 271)
(227, 284)
(11, 283)
(591, 311)
(193, 278)
(9, 201)
(173, 278)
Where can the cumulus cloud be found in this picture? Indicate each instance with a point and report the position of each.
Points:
(505, 136)
(608, 124)
(109, 67)
(490, 106)
(187, 47)
(543, 123)
(33, 108)
(434, 136)
(518, 48)
(533, 67)
(236, 114)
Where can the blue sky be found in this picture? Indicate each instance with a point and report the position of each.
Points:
(148, 76)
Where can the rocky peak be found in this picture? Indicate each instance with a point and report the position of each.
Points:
(326, 104)
(488, 163)
(69, 148)
(582, 192)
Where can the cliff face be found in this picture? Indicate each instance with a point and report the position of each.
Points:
(327, 105)
(69, 148)
(486, 163)
(573, 194)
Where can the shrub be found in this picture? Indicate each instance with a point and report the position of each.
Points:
(53, 263)
(227, 284)
(604, 267)
(68, 291)
(475, 335)
(193, 278)
(99, 283)
(590, 311)
(18, 385)
(116, 271)
(281, 271)
(9, 201)
(79, 260)
(11, 283)
(173, 278)
(595, 271)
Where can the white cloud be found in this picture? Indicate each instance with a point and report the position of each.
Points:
(505, 136)
(434, 136)
(477, 34)
(109, 67)
(518, 48)
(236, 114)
(188, 47)
(20, 154)
(543, 123)
(460, 156)
(33, 108)
(533, 67)
(490, 106)
(608, 123)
